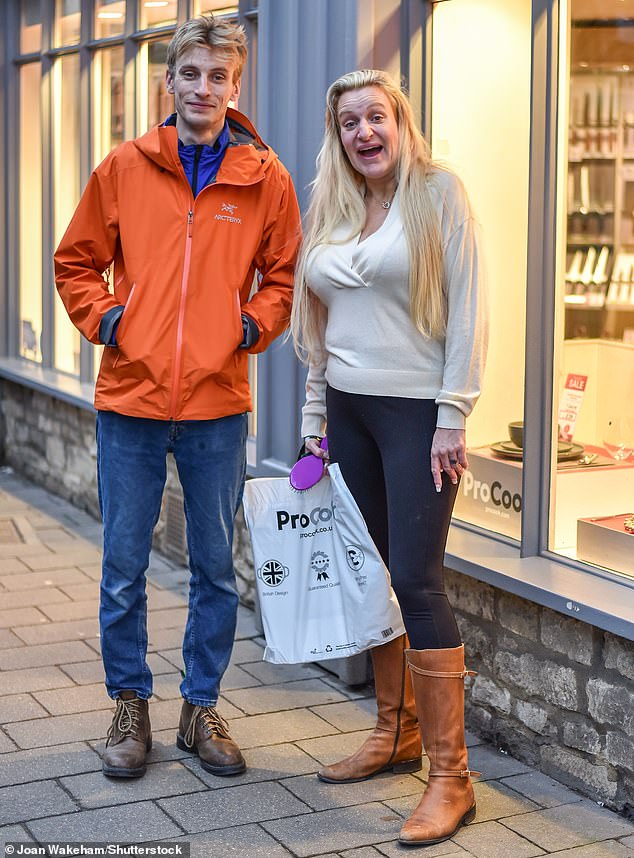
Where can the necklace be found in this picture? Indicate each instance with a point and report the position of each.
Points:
(385, 204)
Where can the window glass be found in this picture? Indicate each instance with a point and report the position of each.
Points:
(67, 26)
(108, 101)
(480, 127)
(593, 410)
(30, 212)
(218, 7)
(65, 190)
(158, 13)
(30, 26)
(109, 18)
(156, 104)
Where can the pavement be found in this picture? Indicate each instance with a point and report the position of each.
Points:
(289, 720)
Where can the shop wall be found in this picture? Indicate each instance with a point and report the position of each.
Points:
(553, 692)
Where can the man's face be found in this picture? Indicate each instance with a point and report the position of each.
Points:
(202, 85)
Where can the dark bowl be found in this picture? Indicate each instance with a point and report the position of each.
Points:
(516, 432)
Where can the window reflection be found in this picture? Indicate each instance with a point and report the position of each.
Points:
(159, 104)
(108, 94)
(67, 27)
(158, 13)
(66, 190)
(109, 18)
(218, 7)
(30, 26)
(30, 212)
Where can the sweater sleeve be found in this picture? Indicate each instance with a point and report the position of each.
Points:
(467, 329)
(314, 410)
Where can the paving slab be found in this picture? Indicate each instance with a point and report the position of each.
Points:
(20, 707)
(448, 849)
(55, 632)
(161, 779)
(605, 849)
(67, 701)
(85, 672)
(330, 748)
(272, 674)
(274, 729)
(47, 763)
(493, 800)
(288, 695)
(28, 598)
(494, 840)
(565, 826)
(243, 841)
(336, 830)
(158, 599)
(21, 617)
(14, 834)
(49, 654)
(32, 800)
(541, 789)
(232, 806)
(34, 679)
(494, 764)
(125, 823)
(8, 639)
(350, 716)
(49, 578)
(323, 796)
(61, 559)
(6, 745)
(271, 763)
(85, 610)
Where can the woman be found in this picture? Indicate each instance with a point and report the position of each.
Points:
(390, 314)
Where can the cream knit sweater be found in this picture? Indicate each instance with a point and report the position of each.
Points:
(371, 345)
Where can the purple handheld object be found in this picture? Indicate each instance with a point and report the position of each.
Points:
(308, 470)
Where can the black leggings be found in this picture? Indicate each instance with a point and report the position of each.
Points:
(382, 445)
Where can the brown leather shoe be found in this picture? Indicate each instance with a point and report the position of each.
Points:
(395, 743)
(203, 731)
(129, 738)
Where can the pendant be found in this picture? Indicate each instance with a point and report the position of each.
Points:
(386, 204)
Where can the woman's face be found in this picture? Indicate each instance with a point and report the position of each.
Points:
(369, 132)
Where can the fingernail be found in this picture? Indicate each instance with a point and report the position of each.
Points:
(438, 488)
(454, 482)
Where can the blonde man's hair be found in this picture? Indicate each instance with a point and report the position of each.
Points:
(208, 31)
(338, 196)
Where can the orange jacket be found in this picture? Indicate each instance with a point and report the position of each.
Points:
(184, 270)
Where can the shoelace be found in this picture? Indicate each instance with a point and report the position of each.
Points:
(126, 720)
(211, 720)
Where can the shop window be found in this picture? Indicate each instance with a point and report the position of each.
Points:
(107, 110)
(30, 26)
(216, 7)
(66, 129)
(156, 104)
(30, 212)
(109, 18)
(480, 115)
(592, 499)
(67, 27)
(158, 13)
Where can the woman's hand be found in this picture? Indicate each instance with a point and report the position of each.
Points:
(311, 445)
(448, 454)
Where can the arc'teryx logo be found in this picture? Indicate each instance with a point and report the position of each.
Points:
(228, 216)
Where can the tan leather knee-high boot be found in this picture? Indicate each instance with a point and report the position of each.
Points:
(448, 802)
(395, 742)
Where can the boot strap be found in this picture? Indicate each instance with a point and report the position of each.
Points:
(443, 674)
(458, 773)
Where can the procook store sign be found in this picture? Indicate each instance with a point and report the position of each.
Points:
(490, 494)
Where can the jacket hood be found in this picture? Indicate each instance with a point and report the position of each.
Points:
(251, 155)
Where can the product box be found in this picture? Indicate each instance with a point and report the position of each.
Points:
(605, 542)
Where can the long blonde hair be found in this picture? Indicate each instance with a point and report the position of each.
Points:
(338, 197)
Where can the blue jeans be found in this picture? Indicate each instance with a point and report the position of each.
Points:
(131, 471)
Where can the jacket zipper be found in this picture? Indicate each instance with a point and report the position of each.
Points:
(199, 151)
(181, 317)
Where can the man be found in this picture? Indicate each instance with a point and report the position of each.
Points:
(186, 215)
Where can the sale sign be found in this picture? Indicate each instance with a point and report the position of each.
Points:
(569, 405)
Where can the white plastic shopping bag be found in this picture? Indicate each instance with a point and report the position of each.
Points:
(324, 590)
